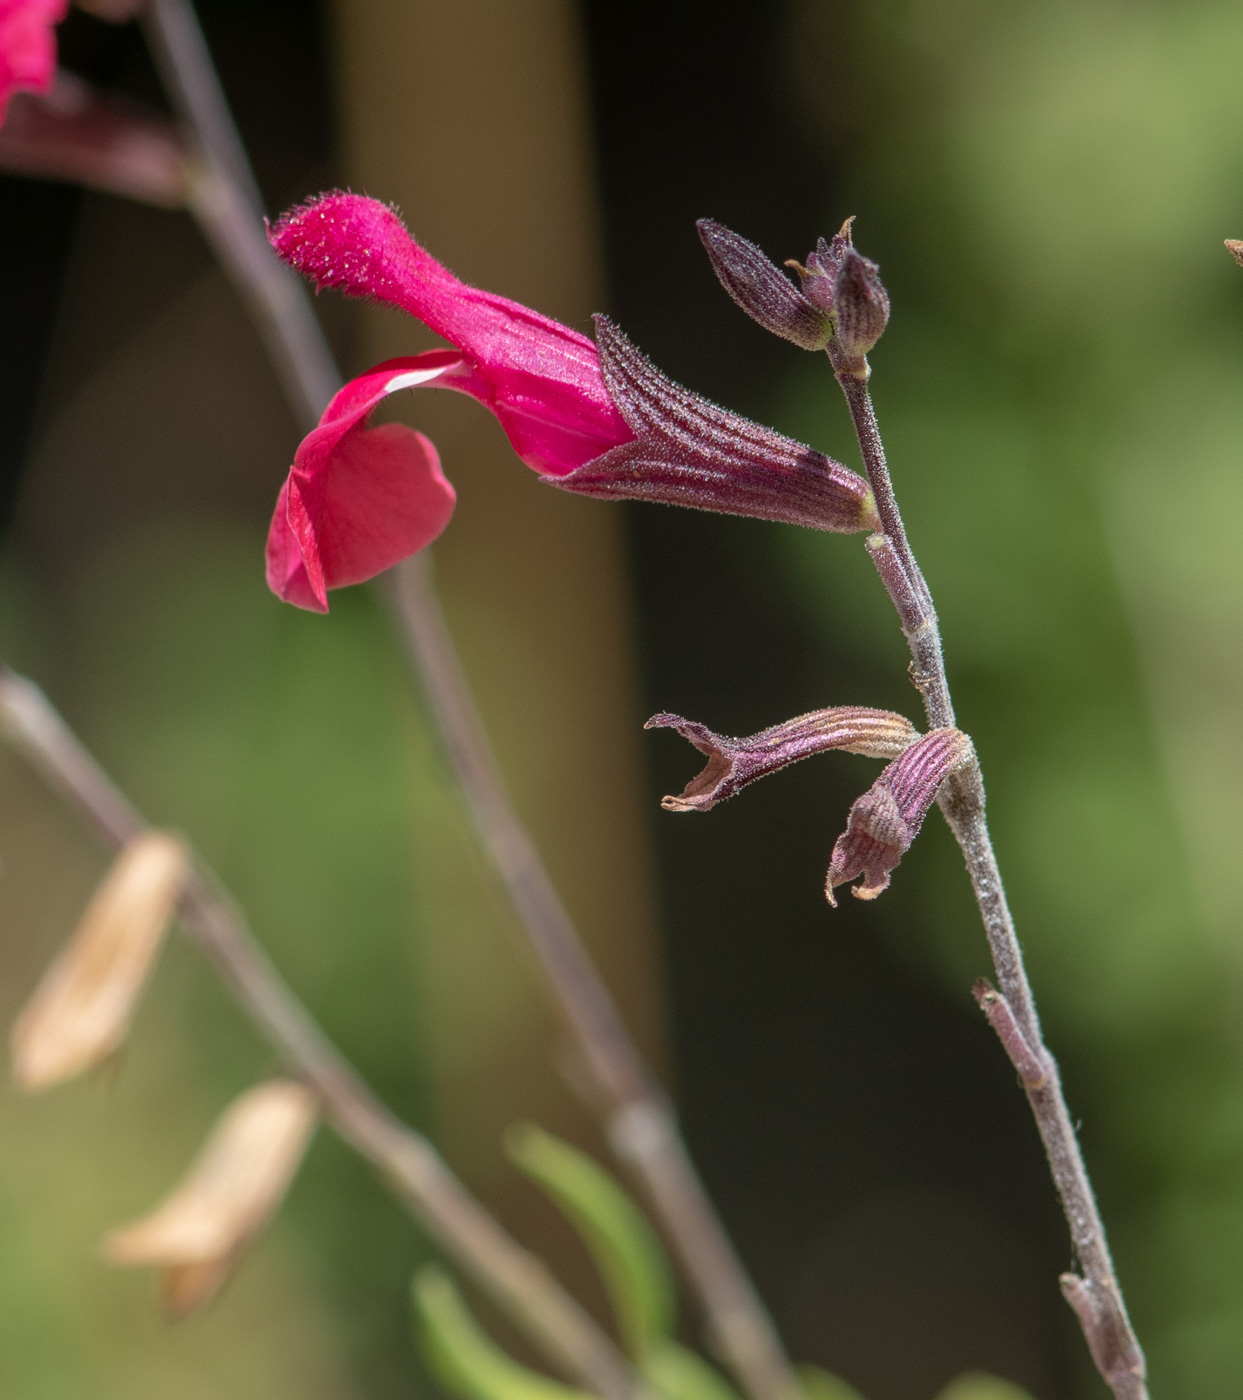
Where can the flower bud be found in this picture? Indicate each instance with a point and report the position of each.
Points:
(200, 1232)
(763, 291)
(80, 1012)
(819, 277)
(733, 763)
(860, 309)
(688, 452)
(886, 819)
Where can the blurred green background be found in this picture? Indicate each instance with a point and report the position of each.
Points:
(1046, 187)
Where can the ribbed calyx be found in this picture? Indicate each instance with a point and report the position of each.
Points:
(687, 451)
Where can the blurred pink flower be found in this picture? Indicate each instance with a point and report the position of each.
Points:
(27, 46)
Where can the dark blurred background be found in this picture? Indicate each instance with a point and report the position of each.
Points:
(1061, 388)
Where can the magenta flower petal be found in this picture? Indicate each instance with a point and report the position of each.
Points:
(359, 499)
(541, 379)
(27, 46)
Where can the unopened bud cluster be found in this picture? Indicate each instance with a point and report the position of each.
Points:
(841, 305)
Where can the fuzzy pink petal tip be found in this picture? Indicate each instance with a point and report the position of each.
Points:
(541, 379)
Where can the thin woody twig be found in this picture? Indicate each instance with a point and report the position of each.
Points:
(1096, 1297)
(639, 1121)
(516, 1280)
(225, 200)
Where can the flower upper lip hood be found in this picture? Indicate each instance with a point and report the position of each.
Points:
(541, 379)
(27, 46)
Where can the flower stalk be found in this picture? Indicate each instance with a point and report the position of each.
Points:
(1096, 1296)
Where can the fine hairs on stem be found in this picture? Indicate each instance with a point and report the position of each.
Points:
(638, 1120)
(1094, 1294)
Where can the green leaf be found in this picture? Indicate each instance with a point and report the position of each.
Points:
(677, 1373)
(819, 1384)
(461, 1355)
(978, 1385)
(622, 1243)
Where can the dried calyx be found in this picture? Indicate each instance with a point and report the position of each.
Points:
(80, 1012)
(733, 763)
(886, 819)
(197, 1236)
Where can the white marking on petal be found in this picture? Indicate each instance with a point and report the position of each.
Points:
(413, 378)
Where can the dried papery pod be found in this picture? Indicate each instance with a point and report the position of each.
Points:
(761, 289)
(1235, 245)
(689, 452)
(80, 1012)
(886, 819)
(733, 763)
(199, 1233)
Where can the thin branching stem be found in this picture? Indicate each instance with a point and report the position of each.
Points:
(1094, 1294)
(639, 1121)
(517, 1281)
(638, 1118)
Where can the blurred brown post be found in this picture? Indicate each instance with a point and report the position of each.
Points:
(472, 118)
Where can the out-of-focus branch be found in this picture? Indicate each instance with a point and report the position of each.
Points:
(640, 1123)
(225, 200)
(638, 1119)
(515, 1280)
(78, 134)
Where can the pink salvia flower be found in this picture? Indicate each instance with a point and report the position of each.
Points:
(886, 819)
(595, 419)
(27, 46)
